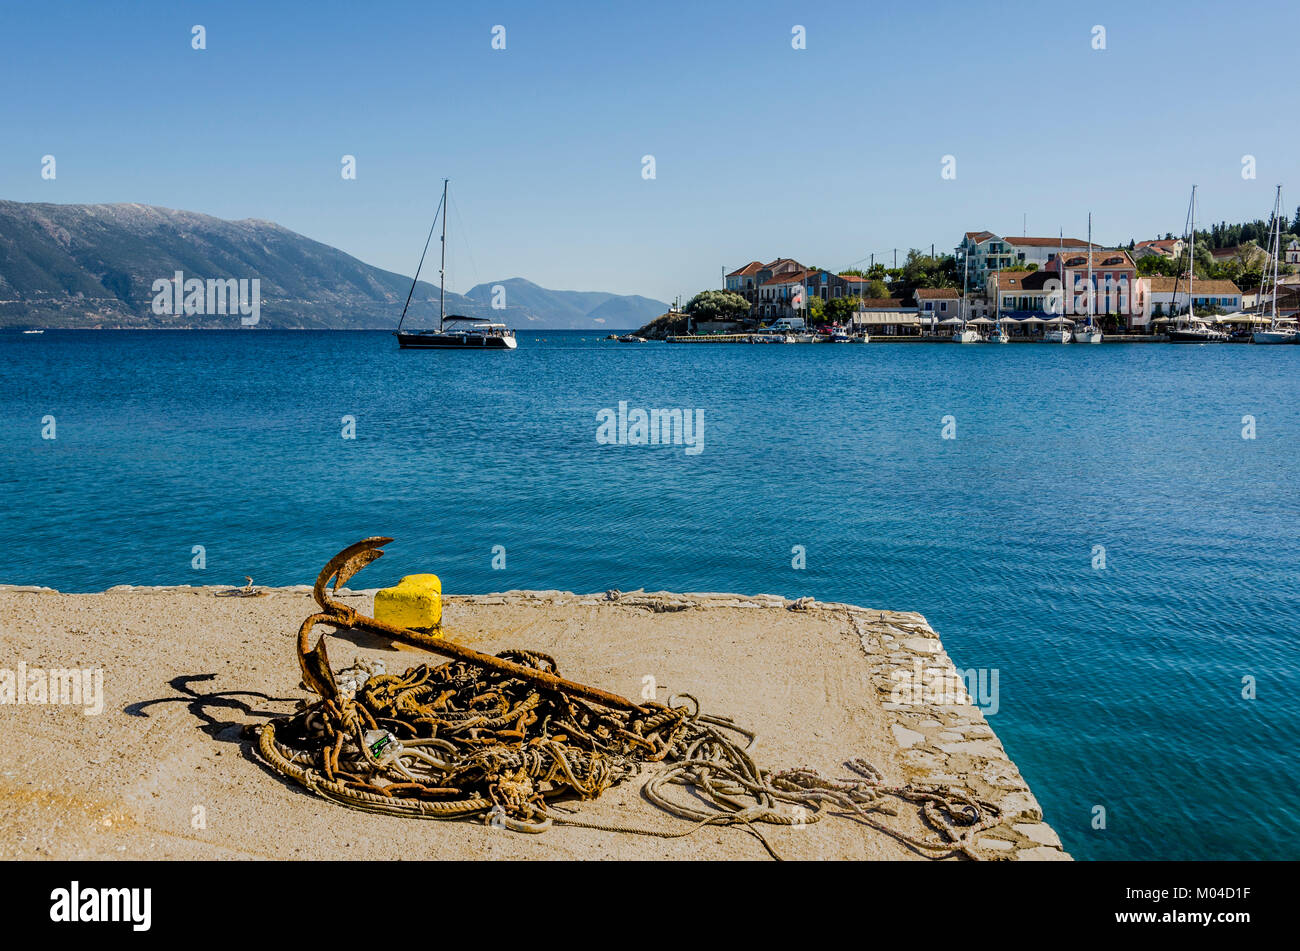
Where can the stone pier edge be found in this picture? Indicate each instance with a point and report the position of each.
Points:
(946, 744)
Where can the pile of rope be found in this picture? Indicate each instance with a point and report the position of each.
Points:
(503, 737)
(457, 741)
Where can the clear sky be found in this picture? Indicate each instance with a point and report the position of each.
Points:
(825, 154)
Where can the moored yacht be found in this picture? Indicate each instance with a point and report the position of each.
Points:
(1279, 329)
(455, 331)
(1061, 333)
(1278, 333)
(1190, 328)
(1089, 332)
(1196, 330)
(964, 332)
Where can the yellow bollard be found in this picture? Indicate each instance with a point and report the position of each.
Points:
(415, 602)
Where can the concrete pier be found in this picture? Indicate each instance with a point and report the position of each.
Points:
(162, 771)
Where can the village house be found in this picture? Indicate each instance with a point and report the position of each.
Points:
(746, 281)
(1168, 248)
(1116, 291)
(1250, 255)
(825, 285)
(780, 296)
(1222, 296)
(939, 302)
(1292, 253)
(1022, 294)
(886, 317)
(855, 285)
(981, 253)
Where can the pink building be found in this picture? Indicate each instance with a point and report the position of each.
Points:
(1115, 287)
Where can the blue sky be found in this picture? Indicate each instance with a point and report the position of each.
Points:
(825, 154)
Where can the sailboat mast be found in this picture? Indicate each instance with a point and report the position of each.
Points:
(442, 266)
(1191, 262)
(1092, 291)
(965, 270)
(1277, 250)
(1060, 266)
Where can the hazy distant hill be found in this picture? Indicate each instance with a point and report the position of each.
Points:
(527, 304)
(95, 265)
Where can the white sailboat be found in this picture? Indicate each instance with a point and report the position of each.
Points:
(1059, 334)
(1278, 331)
(999, 335)
(965, 333)
(1060, 324)
(1089, 332)
(455, 331)
(1191, 329)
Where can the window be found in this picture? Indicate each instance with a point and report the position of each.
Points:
(943, 305)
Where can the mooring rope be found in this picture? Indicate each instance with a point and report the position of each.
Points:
(457, 741)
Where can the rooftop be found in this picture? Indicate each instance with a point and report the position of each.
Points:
(1056, 242)
(1165, 285)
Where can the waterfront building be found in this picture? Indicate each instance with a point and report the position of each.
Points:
(780, 296)
(1223, 296)
(1021, 294)
(981, 253)
(749, 280)
(826, 285)
(1116, 290)
(886, 317)
(938, 302)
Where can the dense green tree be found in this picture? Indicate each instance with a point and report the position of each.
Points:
(717, 305)
(815, 312)
(840, 309)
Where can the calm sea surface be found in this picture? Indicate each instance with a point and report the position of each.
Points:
(1119, 687)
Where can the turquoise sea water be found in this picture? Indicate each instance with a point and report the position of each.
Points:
(1119, 687)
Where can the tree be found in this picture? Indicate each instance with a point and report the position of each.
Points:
(840, 309)
(877, 289)
(718, 305)
(815, 310)
(1295, 222)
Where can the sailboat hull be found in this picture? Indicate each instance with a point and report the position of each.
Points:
(1276, 336)
(1196, 336)
(446, 341)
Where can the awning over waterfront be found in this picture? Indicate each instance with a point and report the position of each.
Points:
(1243, 318)
(887, 317)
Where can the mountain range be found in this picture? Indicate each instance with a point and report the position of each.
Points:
(69, 266)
